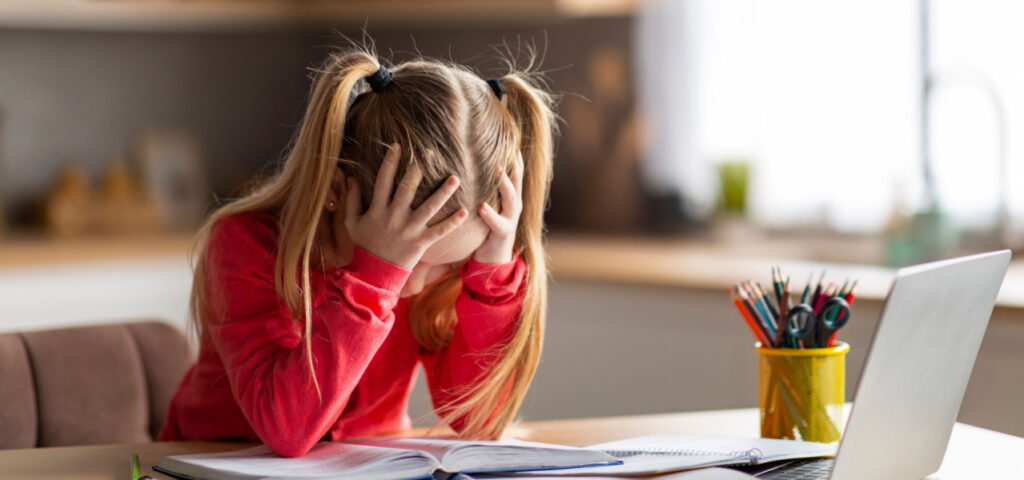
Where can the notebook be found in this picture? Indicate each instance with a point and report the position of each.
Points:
(384, 458)
(658, 454)
(712, 473)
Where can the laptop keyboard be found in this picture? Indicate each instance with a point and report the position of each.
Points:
(803, 470)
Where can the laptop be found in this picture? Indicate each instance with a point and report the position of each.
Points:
(916, 373)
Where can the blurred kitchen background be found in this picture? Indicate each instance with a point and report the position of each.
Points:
(703, 141)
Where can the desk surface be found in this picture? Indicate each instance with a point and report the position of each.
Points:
(973, 452)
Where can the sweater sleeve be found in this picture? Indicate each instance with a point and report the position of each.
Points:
(262, 347)
(488, 311)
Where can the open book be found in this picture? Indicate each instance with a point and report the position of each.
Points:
(382, 458)
(658, 454)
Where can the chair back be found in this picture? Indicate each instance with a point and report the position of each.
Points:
(89, 385)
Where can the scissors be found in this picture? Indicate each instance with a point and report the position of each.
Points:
(816, 329)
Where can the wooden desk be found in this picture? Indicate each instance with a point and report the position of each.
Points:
(973, 452)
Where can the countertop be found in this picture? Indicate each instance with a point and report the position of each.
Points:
(662, 262)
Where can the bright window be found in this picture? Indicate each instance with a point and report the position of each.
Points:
(823, 98)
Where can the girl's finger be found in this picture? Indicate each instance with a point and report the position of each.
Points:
(446, 226)
(352, 201)
(509, 197)
(493, 220)
(407, 187)
(386, 176)
(432, 204)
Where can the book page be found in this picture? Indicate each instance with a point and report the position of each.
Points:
(438, 447)
(519, 455)
(656, 454)
(701, 474)
(492, 456)
(326, 459)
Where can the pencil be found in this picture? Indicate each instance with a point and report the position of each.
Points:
(842, 290)
(820, 299)
(817, 290)
(777, 283)
(757, 312)
(758, 334)
(760, 312)
(767, 301)
(806, 297)
(780, 332)
(849, 296)
(769, 306)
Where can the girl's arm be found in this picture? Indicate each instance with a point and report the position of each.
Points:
(487, 309)
(262, 346)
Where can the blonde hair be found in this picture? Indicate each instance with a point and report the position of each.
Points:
(448, 122)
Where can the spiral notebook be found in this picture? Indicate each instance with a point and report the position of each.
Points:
(657, 454)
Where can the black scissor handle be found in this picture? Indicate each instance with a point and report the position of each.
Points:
(800, 321)
(834, 304)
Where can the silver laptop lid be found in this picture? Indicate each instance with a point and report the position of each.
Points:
(918, 366)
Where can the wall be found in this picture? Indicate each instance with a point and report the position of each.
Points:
(84, 97)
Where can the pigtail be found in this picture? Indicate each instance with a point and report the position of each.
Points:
(490, 407)
(297, 193)
(312, 165)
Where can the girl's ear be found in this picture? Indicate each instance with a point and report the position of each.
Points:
(338, 191)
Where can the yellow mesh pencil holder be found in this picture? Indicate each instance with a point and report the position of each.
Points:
(801, 392)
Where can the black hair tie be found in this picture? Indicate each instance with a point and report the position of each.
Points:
(380, 79)
(499, 91)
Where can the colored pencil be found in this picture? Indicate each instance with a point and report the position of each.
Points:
(780, 332)
(766, 312)
(849, 296)
(766, 315)
(820, 299)
(806, 297)
(817, 290)
(767, 301)
(755, 312)
(842, 290)
(751, 323)
(777, 283)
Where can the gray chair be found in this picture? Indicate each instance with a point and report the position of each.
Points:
(89, 385)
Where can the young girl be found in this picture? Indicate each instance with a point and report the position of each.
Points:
(404, 227)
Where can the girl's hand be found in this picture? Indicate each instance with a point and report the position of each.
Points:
(390, 228)
(497, 247)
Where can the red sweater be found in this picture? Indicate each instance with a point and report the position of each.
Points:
(251, 379)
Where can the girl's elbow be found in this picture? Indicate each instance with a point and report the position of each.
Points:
(287, 439)
(290, 447)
